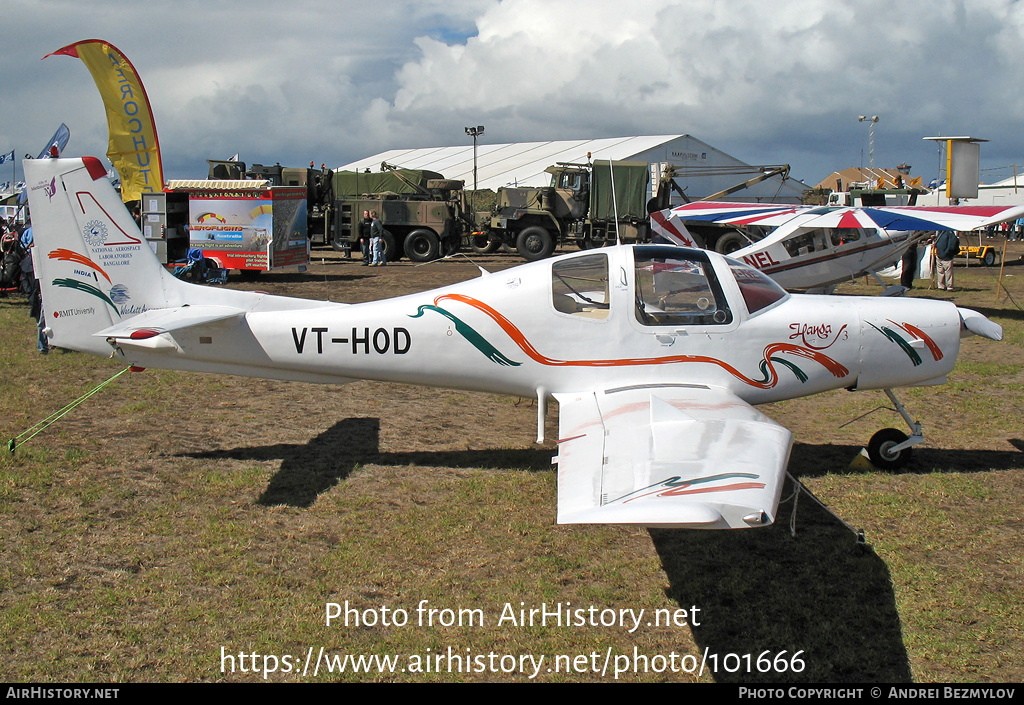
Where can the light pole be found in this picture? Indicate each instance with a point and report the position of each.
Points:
(871, 138)
(474, 132)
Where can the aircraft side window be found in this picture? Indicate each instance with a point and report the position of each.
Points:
(676, 291)
(579, 286)
(816, 240)
(757, 289)
(801, 244)
(844, 236)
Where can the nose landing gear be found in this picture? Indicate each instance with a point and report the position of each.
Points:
(890, 448)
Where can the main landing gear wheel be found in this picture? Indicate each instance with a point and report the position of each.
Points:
(881, 453)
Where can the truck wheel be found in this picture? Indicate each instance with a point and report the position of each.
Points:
(729, 243)
(391, 251)
(989, 258)
(451, 245)
(535, 243)
(483, 245)
(602, 238)
(422, 245)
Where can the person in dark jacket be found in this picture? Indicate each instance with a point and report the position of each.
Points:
(947, 246)
(364, 237)
(377, 241)
(909, 270)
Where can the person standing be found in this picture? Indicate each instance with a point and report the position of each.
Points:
(909, 270)
(947, 247)
(31, 286)
(377, 241)
(364, 238)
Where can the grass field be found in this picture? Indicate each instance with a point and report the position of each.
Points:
(191, 527)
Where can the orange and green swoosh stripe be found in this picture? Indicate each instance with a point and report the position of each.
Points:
(769, 380)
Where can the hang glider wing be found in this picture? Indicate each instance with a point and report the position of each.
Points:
(767, 214)
(960, 218)
(672, 456)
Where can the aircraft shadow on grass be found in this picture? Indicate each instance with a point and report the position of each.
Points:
(759, 591)
(309, 469)
(809, 460)
(818, 591)
(820, 597)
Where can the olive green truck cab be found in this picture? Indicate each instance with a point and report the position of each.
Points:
(590, 204)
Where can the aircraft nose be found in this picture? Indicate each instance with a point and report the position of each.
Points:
(973, 323)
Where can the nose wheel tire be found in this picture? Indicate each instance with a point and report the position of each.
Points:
(881, 453)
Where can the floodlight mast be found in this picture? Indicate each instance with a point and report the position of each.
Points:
(871, 138)
(474, 132)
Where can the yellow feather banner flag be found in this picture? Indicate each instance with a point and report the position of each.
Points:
(134, 149)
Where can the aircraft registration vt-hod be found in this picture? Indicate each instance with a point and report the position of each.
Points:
(809, 247)
(657, 355)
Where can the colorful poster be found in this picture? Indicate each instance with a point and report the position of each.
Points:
(134, 149)
(250, 229)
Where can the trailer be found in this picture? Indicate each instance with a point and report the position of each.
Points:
(247, 225)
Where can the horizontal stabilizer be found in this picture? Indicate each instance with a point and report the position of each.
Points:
(167, 320)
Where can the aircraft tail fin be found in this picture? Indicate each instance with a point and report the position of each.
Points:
(94, 266)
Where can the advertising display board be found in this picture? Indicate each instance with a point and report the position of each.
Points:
(256, 229)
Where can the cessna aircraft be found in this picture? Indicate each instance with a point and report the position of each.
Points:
(656, 354)
(815, 247)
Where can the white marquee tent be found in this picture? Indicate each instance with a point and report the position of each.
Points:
(705, 169)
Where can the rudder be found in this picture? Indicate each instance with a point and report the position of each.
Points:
(94, 266)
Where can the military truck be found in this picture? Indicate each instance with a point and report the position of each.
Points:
(583, 204)
(595, 204)
(861, 194)
(422, 212)
(319, 196)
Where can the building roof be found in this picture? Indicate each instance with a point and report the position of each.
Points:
(702, 169)
(516, 163)
(882, 178)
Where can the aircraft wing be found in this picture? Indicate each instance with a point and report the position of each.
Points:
(886, 217)
(671, 456)
(768, 214)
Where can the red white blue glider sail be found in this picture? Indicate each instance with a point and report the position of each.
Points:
(960, 218)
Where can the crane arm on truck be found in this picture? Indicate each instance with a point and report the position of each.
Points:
(767, 172)
(384, 166)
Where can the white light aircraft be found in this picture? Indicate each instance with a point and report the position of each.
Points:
(814, 247)
(655, 354)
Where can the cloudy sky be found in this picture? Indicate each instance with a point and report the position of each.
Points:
(767, 81)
